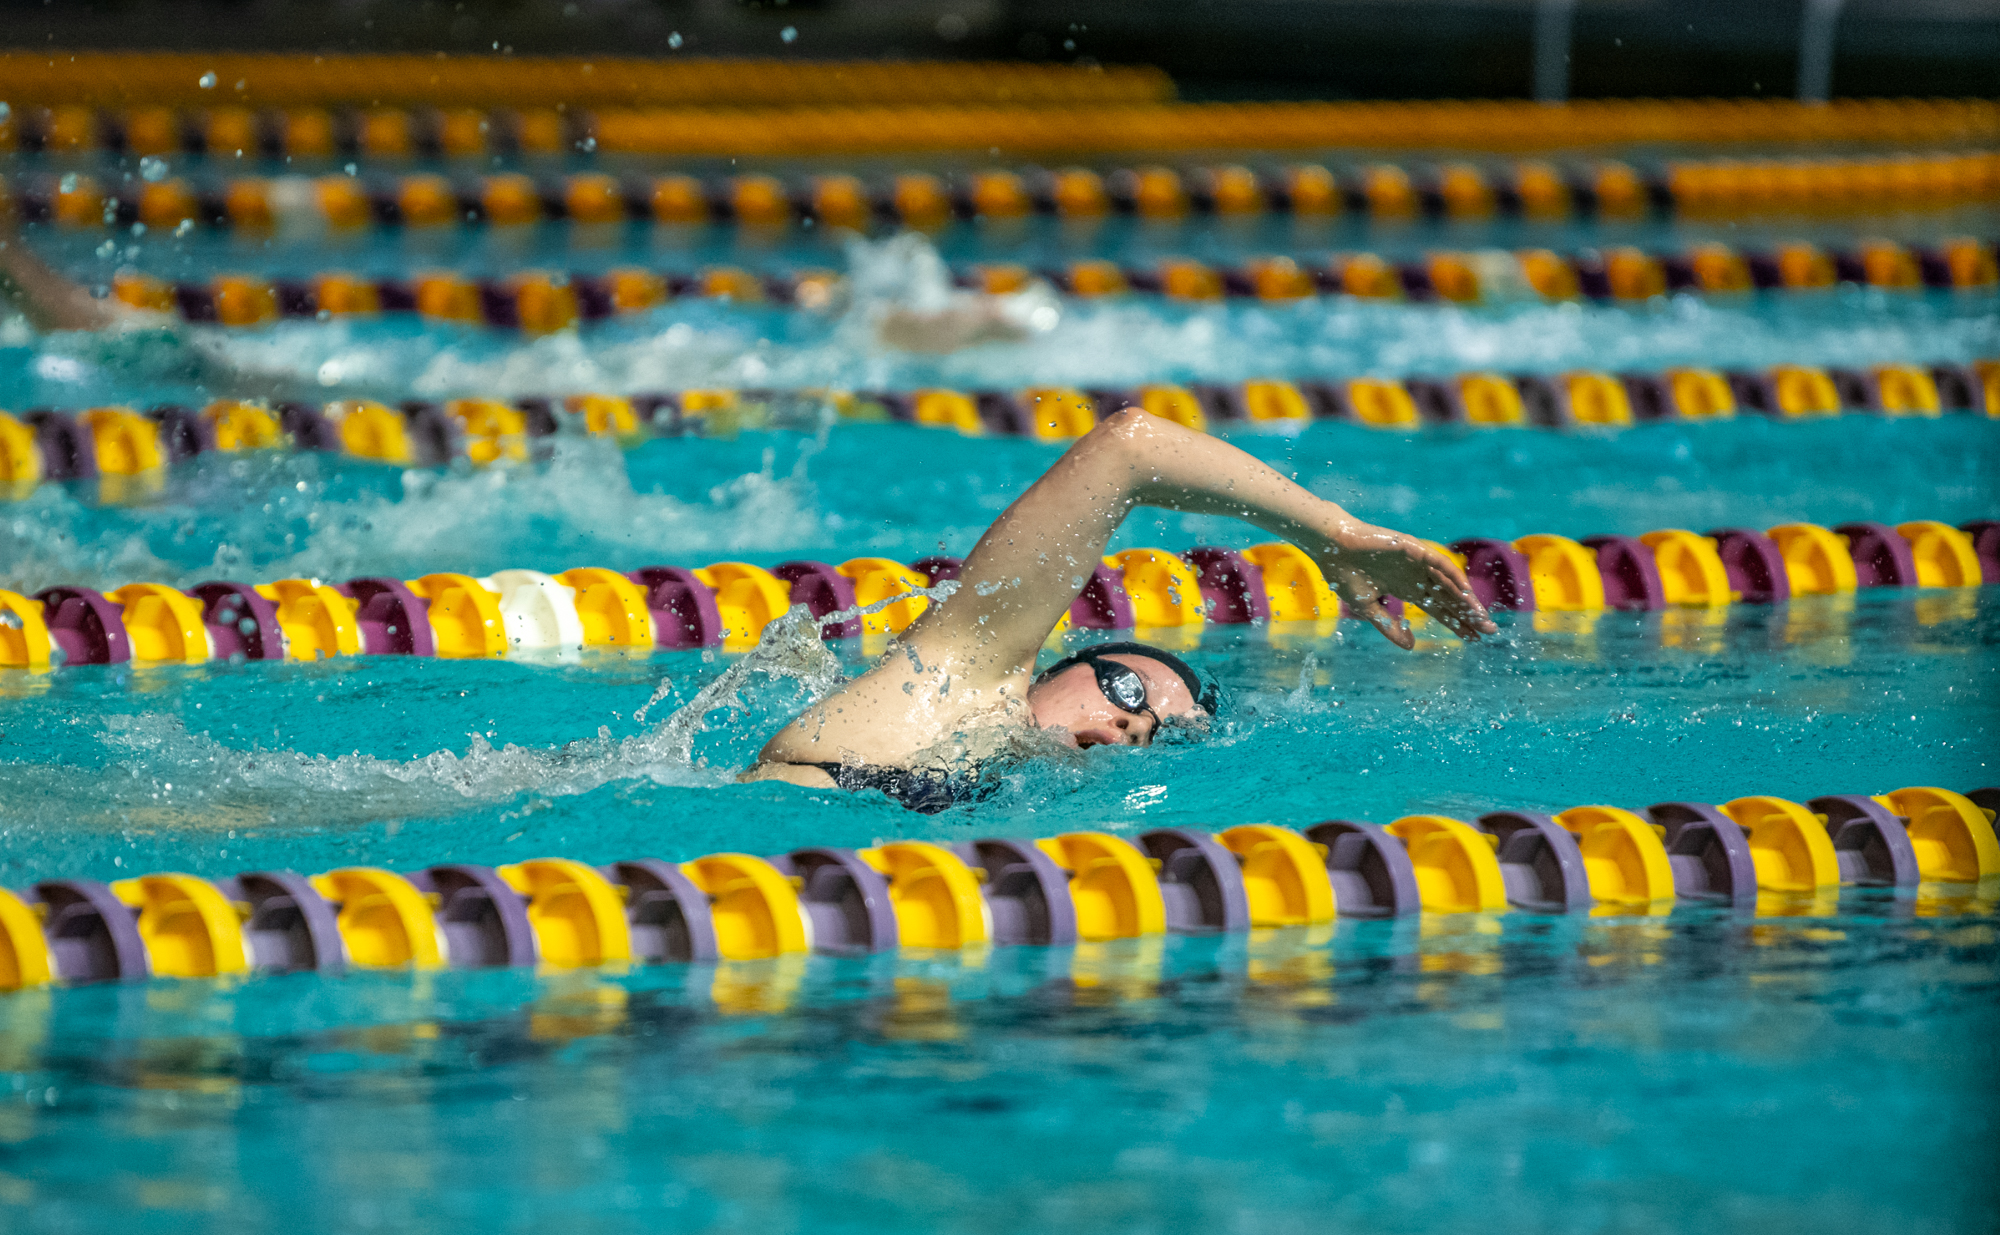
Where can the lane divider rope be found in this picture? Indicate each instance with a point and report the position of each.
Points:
(540, 302)
(128, 450)
(1387, 192)
(1042, 127)
(1757, 855)
(728, 604)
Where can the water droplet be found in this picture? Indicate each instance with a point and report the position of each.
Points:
(789, 33)
(153, 169)
(674, 40)
(208, 80)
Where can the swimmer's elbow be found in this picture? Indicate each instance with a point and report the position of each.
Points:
(1126, 432)
(1126, 422)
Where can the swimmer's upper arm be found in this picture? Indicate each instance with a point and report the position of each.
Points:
(47, 298)
(791, 773)
(1020, 578)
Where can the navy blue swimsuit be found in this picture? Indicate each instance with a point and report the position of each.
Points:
(926, 792)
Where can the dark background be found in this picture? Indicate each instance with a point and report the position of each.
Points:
(1213, 48)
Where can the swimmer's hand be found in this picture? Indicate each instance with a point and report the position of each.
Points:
(1365, 563)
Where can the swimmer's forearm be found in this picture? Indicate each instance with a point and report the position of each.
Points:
(1026, 569)
(1187, 471)
(1192, 473)
(1142, 460)
(45, 297)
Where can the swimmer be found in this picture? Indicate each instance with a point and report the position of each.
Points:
(968, 323)
(49, 300)
(905, 295)
(959, 687)
(138, 342)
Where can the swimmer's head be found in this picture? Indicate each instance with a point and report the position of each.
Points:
(1120, 694)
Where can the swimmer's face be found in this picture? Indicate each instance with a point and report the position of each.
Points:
(1073, 704)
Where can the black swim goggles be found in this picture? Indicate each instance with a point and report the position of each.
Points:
(1123, 686)
(1125, 689)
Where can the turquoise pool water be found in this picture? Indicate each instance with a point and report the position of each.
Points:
(1514, 1072)
(1826, 1068)
(1537, 1075)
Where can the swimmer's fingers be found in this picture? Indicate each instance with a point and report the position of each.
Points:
(1385, 562)
(1365, 601)
(1448, 597)
(1427, 577)
(1394, 629)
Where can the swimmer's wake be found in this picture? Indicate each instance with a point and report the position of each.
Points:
(224, 786)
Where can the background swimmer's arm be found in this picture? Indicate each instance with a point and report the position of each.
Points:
(46, 298)
(52, 301)
(1024, 572)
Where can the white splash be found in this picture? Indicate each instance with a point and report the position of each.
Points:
(215, 785)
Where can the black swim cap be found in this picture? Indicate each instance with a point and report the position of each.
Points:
(1207, 694)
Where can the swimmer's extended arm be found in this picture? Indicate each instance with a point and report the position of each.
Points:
(46, 298)
(1024, 572)
(52, 301)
